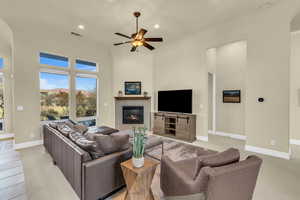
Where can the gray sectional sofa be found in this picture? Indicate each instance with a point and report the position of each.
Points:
(90, 179)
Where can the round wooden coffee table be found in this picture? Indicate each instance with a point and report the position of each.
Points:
(139, 180)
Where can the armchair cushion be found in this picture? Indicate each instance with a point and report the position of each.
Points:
(220, 159)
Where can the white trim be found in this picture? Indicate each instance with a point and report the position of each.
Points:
(231, 135)
(27, 144)
(6, 135)
(295, 32)
(268, 152)
(295, 142)
(202, 138)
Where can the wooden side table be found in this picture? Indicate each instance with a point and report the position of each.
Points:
(139, 180)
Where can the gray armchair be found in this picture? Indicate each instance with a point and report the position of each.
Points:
(185, 177)
(234, 181)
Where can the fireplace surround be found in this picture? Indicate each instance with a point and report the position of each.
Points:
(132, 111)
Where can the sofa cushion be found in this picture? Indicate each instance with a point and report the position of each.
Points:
(64, 129)
(220, 159)
(112, 143)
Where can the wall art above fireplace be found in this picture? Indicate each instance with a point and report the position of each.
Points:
(133, 88)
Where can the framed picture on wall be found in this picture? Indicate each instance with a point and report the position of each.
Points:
(231, 96)
(133, 88)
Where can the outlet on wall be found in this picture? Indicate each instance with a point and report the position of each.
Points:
(273, 142)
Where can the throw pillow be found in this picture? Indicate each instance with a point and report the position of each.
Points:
(77, 127)
(64, 129)
(80, 128)
(87, 145)
(220, 159)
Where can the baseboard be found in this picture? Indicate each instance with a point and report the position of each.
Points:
(27, 144)
(203, 138)
(231, 135)
(295, 142)
(6, 135)
(268, 152)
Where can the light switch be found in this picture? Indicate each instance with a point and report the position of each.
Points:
(20, 108)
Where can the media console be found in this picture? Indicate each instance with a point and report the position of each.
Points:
(175, 125)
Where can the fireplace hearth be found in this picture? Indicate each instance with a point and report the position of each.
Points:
(133, 115)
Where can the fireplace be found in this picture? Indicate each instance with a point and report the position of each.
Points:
(133, 114)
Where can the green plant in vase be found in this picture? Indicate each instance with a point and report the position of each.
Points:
(139, 139)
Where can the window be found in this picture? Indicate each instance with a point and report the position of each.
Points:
(86, 97)
(85, 65)
(53, 60)
(1, 63)
(67, 93)
(54, 91)
(1, 103)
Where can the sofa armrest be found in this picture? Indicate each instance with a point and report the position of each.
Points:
(103, 175)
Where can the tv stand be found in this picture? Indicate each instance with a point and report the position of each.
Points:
(175, 125)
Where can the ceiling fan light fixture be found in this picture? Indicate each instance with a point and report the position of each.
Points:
(137, 43)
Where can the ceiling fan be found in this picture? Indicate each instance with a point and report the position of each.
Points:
(137, 39)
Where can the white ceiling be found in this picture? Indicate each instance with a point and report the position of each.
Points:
(104, 17)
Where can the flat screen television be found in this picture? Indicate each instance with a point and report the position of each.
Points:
(179, 101)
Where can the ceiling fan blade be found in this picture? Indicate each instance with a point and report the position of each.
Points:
(116, 44)
(153, 39)
(122, 35)
(141, 33)
(148, 46)
(133, 49)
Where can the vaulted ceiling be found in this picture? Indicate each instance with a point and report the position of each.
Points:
(102, 18)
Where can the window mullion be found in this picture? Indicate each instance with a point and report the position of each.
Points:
(72, 100)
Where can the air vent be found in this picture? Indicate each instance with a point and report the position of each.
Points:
(76, 34)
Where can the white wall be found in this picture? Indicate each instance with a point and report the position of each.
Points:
(295, 87)
(231, 63)
(27, 45)
(181, 65)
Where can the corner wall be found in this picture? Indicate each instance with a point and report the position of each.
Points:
(267, 32)
(27, 45)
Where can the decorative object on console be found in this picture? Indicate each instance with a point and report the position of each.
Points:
(120, 93)
(231, 96)
(137, 39)
(139, 139)
(145, 94)
(133, 88)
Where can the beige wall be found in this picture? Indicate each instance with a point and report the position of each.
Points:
(295, 87)
(137, 66)
(27, 46)
(181, 65)
(231, 62)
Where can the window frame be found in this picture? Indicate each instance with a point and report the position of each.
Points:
(85, 71)
(72, 73)
(53, 66)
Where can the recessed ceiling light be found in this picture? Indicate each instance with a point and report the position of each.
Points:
(156, 26)
(81, 27)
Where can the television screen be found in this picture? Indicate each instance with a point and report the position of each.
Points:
(175, 101)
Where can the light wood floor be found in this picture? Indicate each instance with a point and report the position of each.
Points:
(12, 182)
